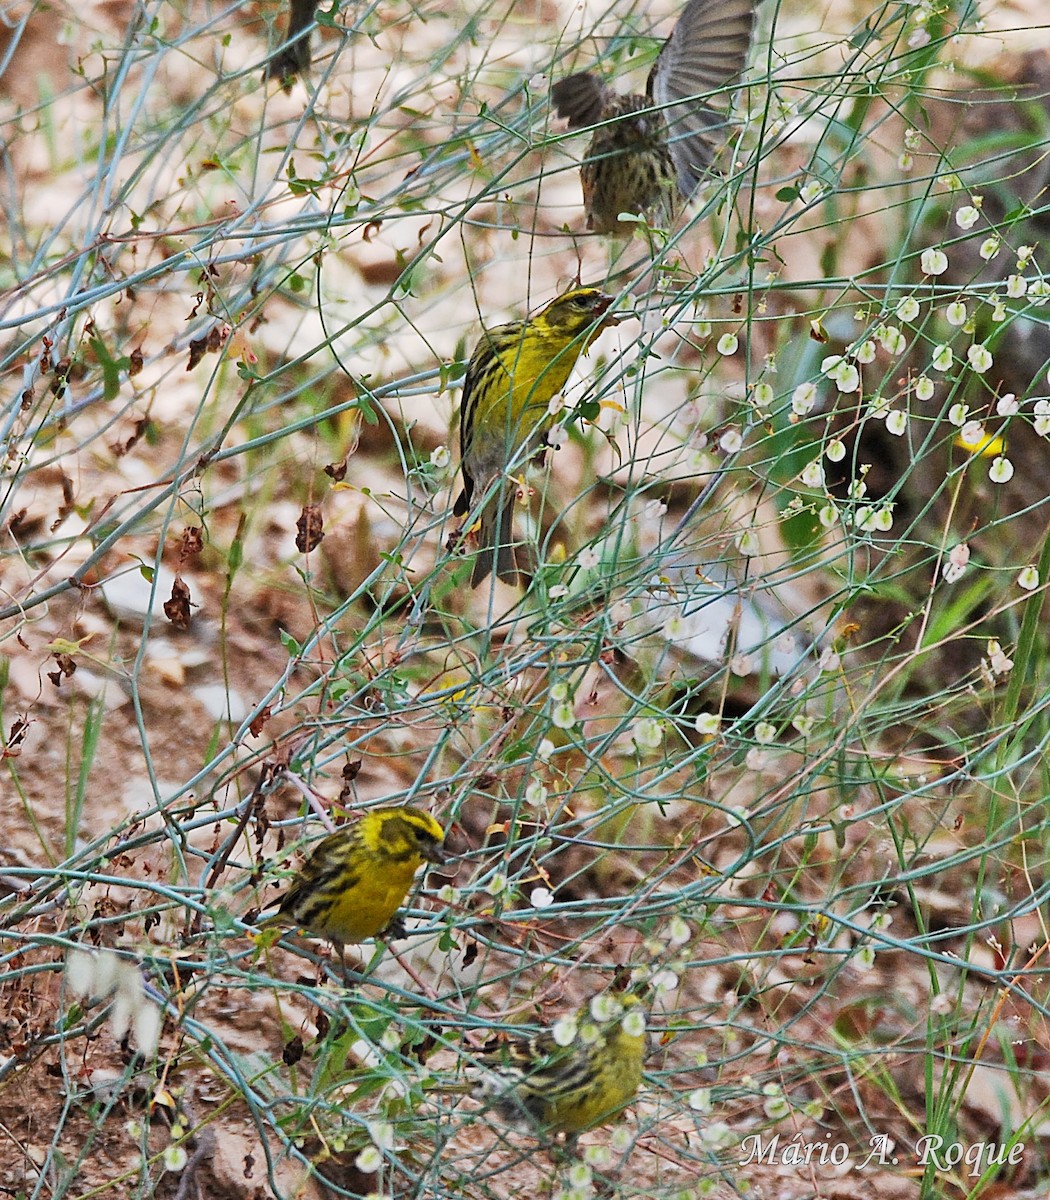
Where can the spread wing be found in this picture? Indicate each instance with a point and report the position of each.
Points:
(706, 52)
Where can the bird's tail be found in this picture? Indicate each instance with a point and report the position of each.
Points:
(497, 553)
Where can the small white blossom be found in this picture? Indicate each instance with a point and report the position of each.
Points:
(990, 247)
(588, 558)
(1028, 578)
(865, 352)
(535, 793)
(972, 434)
(813, 474)
(942, 358)
(891, 339)
(748, 543)
(545, 749)
(564, 1031)
(765, 732)
(835, 450)
(541, 897)
(700, 1100)
(730, 441)
(958, 415)
(440, 458)
(954, 566)
(678, 932)
(647, 734)
(896, 422)
(967, 216)
(762, 395)
(934, 261)
(1006, 405)
(908, 308)
(998, 662)
(1016, 286)
(728, 344)
(1001, 470)
(369, 1160)
(811, 191)
(563, 716)
(955, 313)
(803, 398)
(923, 388)
(708, 724)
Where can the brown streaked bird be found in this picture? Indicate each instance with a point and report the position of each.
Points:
(649, 153)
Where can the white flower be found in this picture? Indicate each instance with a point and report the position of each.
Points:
(891, 339)
(748, 543)
(1028, 578)
(765, 732)
(700, 1100)
(954, 565)
(563, 716)
(813, 474)
(897, 422)
(942, 358)
(955, 313)
(762, 395)
(647, 734)
(1001, 470)
(588, 558)
(972, 434)
(803, 398)
(731, 441)
(1016, 286)
(440, 458)
(967, 216)
(865, 352)
(541, 897)
(369, 1160)
(990, 247)
(564, 1031)
(958, 415)
(535, 793)
(835, 450)
(728, 344)
(908, 308)
(1006, 405)
(847, 378)
(678, 932)
(708, 724)
(923, 388)
(810, 191)
(934, 261)
(998, 662)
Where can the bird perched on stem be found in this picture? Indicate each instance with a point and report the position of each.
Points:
(577, 1075)
(353, 883)
(515, 372)
(648, 153)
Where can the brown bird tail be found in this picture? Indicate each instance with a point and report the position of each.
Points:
(496, 541)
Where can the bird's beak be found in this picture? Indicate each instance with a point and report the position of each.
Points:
(437, 854)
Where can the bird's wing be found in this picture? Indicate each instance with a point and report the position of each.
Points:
(706, 52)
